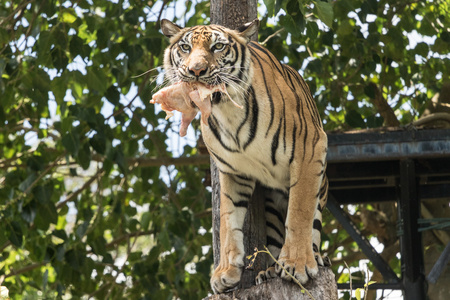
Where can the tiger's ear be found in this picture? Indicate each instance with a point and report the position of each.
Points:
(168, 28)
(248, 29)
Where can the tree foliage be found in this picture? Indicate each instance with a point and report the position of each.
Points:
(84, 208)
(367, 62)
(78, 217)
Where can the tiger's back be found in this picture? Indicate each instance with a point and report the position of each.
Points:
(276, 139)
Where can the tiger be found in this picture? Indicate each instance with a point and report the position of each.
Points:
(276, 139)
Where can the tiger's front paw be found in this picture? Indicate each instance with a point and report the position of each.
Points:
(225, 278)
(301, 266)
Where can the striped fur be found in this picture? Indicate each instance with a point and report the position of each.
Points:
(276, 139)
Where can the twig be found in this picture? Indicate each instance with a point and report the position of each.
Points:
(272, 35)
(51, 166)
(25, 269)
(77, 192)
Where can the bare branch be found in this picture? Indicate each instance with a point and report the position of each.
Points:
(272, 35)
(77, 192)
(384, 108)
(42, 174)
(432, 118)
(167, 161)
(25, 269)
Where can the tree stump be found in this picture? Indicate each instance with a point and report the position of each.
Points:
(322, 288)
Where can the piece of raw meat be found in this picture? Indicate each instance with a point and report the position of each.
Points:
(179, 96)
(175, 97)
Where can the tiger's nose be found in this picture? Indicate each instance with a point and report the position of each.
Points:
(197, 71)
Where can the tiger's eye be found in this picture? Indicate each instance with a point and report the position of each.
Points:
(218, 46)
(185, 47)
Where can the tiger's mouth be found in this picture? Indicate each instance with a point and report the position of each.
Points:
(207, 80)
(210, 82)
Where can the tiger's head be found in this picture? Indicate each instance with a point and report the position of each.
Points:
(209, 54)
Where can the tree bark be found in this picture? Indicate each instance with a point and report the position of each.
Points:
(384, 108)
(233, 14)
(322, 288)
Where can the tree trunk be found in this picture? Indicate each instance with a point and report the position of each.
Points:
(232, 14)
(322, 288)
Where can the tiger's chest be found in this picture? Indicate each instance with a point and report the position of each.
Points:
(240, 142)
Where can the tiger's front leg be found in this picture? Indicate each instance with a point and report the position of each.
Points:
(235, 194)
(297, 255)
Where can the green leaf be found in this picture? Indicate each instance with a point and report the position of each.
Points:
(44, 41)
(71, 142)
(154, 45)
(59, 87)
(59, 233)
(132, 16)
(291, 26)
(98, 143)
(315, 66)
(312, 30)
(48, 213)
(422, 49)
(43, 194)
(134, 53)
(68, 16)
(81, 229)
(354, 119)
(358, 293)
(374, 121)
(112, 95)
(96, 79)
(77, 46)
(145, 220)
(345, 27)
(370, 90)
(29, 212)
(59, 58)
(15, 234)
(4, 36)
(24, 185)
(445, 36)
(325, 12)
(84, 156)
(270, 4)
(75, 258)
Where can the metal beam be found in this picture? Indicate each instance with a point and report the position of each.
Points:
(440, 265)
(410, 239)
(390, 145)
(361, 240)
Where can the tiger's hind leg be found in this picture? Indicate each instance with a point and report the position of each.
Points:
(275, 212)
(234, 197)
